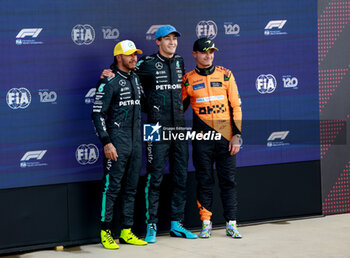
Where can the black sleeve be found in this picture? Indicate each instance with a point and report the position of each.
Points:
(183, 66)
(186, 103)
(143, 70)
(143, 100)
(145, 75)
(103, 98)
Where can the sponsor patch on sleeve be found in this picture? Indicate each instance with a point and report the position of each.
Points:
(187, 83)
(100, 88)
(216, 84)
(198, 86)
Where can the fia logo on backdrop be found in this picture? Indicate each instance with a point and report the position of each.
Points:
(18, 98)
(83, 34)
(266, 83)
(206, 29)
(87, 154)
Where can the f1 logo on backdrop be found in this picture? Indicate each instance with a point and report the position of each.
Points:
(38, 155)
(151, 132)
(34, 32)
(30, 155)
(83, 34)
(278, 135)
(87, 154)
(274, 27)
(206, 29)
(26, 33)
(89, 97)
(277, 139)
(275, 24)
(266, 83)
(18, 98)
(151, 31)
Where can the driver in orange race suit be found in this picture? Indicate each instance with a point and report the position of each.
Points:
(216, 105)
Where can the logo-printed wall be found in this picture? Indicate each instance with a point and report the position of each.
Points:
(53, 53)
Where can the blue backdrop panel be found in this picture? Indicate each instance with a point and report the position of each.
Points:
(52, 54)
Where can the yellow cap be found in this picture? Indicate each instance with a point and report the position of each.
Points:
(126, 47)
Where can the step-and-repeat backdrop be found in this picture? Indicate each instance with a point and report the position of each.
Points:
(52, 54)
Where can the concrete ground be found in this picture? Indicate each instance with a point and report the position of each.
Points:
(317, 237)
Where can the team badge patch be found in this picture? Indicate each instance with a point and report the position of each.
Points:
(216, 84)
(198, 86)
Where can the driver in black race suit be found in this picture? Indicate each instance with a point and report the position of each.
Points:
(117, 118)
(161, 78)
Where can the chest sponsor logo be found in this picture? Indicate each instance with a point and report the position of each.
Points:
(216, 84)
(168, 87)
(159, 65)
(215, 109)
(197, 81)
(211, 98)
(198, 86)
(129, 102)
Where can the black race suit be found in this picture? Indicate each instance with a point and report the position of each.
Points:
(161, 80)
(117, 119)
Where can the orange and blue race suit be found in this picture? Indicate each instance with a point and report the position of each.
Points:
(214, 99)
(216, 105)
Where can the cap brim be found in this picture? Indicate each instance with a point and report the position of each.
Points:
(131, 51)
(178, 34)
(206, 49)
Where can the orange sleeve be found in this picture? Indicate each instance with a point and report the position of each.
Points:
(235, 103)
